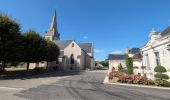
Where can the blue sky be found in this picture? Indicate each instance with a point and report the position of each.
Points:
(111, 25)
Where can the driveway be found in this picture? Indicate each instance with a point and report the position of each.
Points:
(87, 86)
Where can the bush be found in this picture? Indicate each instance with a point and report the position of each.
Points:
(164, 83)
(160, 69)
(124, 71)
(114, 74)
(161, 76)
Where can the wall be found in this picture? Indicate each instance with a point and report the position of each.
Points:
(115, 63)
(76, 51)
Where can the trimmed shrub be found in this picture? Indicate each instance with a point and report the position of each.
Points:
(120, 68)
(161, 76)
(164, 83)
(160, 69)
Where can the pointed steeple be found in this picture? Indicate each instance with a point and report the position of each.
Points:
(54, 22)
(53, 32)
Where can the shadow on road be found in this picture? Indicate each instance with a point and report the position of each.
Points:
(42, 75)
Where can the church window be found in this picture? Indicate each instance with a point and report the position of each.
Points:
(72, 44)
(72, 59)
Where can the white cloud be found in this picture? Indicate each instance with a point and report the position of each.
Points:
(85, 37)
(98, 50)
(117, 52)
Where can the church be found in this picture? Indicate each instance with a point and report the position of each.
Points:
(73, 55)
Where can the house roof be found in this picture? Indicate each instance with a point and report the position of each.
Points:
(137, 56)
(63, 43)
(134, 51)
(166, 31)
(116, 56)
(87, 47)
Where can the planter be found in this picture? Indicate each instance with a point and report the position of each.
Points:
(115, 79)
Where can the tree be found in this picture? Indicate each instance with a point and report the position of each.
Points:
(52, 52)
(159, 73)
(9, 39)
(33, 47)
(129, 64)
(104, 63)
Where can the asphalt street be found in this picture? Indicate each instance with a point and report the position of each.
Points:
(89, 86)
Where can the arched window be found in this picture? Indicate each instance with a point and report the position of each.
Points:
(72, 59)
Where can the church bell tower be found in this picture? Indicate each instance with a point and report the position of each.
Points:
(52, 33)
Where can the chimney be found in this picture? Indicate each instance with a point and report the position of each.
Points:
(126, 50)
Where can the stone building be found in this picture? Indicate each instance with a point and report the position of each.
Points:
(116, 59)
(73, 55)
(157, 51)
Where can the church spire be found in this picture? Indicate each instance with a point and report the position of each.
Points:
(52, 33)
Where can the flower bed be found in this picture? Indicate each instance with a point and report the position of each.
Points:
(116, 76)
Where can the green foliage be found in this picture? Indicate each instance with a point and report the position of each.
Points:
(129, 64)
(104, 63)
(161, 76)
(120, 68)
(9, 39)
(125, 71)
(164, 83)
(52, 52)
(160, 69)
(29, 47)
(32, 47)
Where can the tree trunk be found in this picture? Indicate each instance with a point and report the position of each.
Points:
(28, 64)
(3, 65)
(47, 65)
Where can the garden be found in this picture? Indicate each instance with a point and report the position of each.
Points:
(122, 76)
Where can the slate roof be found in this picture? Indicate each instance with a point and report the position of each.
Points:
(166, 32)
(87, 47)
(63, 43)
(134, 51)
(137, 56)
(116, 57)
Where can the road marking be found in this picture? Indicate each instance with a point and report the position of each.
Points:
(10, 88)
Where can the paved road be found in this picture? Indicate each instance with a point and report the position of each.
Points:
(89, 86)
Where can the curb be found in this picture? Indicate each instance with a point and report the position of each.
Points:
(134, 85)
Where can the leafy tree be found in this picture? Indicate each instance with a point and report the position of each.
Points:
(33, 47)
(52, 52)
(9, 39)
(129, 64)
(104, 63)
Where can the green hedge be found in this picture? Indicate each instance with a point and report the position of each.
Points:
(160, 69)
(161, 76)
(163, 83)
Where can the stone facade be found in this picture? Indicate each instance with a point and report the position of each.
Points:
(157, 51)
(73, 55)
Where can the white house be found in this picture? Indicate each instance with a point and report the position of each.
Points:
(116, 59)
(157, 51)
